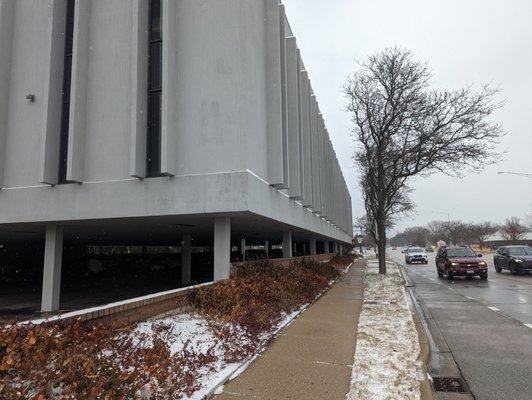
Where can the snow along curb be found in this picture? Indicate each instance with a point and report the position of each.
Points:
(239, 368)
(386, 364)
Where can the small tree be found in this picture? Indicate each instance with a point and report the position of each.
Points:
(404, 129)
(513, 229)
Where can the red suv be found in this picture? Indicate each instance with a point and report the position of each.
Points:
(460, 261)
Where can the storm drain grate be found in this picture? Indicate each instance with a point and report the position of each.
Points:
(455, 385)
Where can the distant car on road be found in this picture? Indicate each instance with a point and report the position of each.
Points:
(460, 261)
(394, 248)
(429, 249)
(416, 254)
(517, 259)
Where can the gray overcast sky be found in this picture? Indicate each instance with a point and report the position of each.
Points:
(464, 41)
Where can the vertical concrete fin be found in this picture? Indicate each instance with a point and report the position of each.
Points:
(52, 63)
(306, 164)
(169, 123)
(78, 92)
(139, 88)
(7, 10)
(292, 110)
(314, 154)
(274, 123)
(284, 109)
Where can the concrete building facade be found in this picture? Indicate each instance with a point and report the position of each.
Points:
(161, 121)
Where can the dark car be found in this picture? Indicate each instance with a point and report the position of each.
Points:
(460, 261)
(517, 259)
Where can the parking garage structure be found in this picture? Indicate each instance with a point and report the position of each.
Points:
(149, 123)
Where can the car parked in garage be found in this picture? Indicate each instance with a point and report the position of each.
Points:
(460, 261)
(516, 259)
(416, 254)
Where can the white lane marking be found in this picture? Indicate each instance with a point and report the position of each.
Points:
(494, 309)
(528, 325)
(470, 298)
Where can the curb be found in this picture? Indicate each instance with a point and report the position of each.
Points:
(428, 350)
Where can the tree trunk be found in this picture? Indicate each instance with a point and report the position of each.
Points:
(381, 227)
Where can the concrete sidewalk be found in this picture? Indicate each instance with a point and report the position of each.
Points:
(312, 358)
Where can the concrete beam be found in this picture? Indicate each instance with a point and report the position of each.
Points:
(222, 248)
(53, 254)
(186, 260)
(287, 244)
(312, 247)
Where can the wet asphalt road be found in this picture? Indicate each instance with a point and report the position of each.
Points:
(487, 326)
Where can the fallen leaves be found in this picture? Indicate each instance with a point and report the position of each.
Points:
(74, 361)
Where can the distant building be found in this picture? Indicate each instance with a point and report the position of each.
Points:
(497, 240)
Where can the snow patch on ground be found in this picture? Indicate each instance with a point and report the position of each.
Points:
(386, 365)
(194, 332)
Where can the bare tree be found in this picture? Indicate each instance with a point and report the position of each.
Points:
(513, 229)
(528, 218)
(482, 230)
(404, 129)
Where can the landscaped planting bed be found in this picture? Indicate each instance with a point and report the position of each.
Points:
(180, 356)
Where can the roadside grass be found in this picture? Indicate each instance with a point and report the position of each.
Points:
(168, 358)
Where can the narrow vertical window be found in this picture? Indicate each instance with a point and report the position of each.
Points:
(153, 149)
(67, 77)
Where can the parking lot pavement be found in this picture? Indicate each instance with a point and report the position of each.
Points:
(486, 325)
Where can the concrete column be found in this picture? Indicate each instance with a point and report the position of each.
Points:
(53, 254)
(267, 248)
(341, 250)
(287, 244)
(312, 247)
(335, 247)
(222, 248)
(186, 260)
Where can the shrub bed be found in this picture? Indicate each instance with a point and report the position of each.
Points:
(103, 361)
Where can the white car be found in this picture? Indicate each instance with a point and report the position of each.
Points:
(416, 254)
